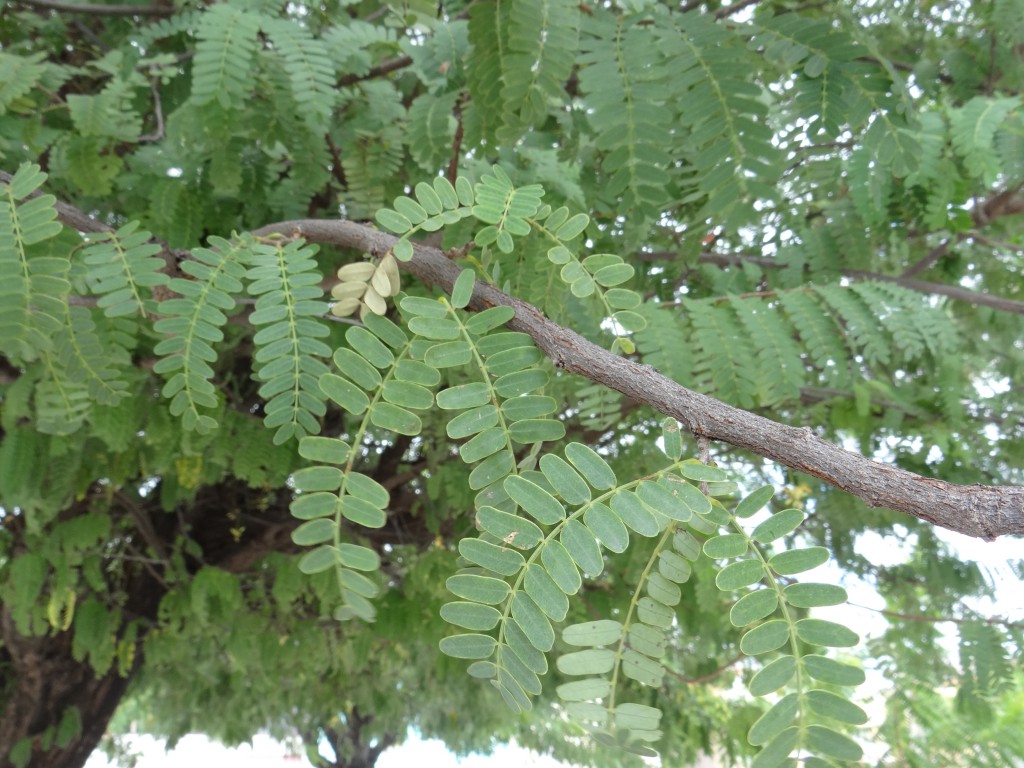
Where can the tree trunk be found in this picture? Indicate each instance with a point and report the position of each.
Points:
(353, 747)
(39, 676)
(46, 681)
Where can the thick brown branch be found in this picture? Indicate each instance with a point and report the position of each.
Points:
(82, 222)
(981, 511)
(68, 215)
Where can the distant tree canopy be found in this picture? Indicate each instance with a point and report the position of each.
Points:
(346, 347)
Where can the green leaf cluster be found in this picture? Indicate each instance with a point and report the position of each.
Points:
(205, 456)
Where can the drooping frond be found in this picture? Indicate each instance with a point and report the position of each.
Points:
(808, 719)
(224, 55)
(729, 149)
(819, 335)
(779, 368)
(623, 79)
(288, 343)
(431, 130)
(87, 360)
(440, 61)
(542, 42)
(860, 326)
(194, 321)
(121, 268)
(724, 352)
(109, 113)
(372, 149)
(837, 90)
(486, 64)
(32, 288)
(18, 76)
(310, 72)
(974, 126)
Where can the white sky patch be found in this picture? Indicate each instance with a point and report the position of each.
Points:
(265, 752)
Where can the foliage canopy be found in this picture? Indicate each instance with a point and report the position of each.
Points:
(344, 349)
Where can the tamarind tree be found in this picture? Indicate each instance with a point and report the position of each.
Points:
(506, 369)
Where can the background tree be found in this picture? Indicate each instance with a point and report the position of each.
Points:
(245, 504)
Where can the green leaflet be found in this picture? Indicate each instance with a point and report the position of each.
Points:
(195, 319)
(227, 43)
(285, 280)
(592, 275)
(435, 205)
(758, 610)
(373, 360)
(622, 90)
(122, 266)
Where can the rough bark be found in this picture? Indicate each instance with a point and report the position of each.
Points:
(48, 680)
(353, 748)
(982, 511)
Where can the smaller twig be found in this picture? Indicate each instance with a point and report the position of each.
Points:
(990, 81)
(729, 10)
(704, 452)
(148, 564)
(453, 164)
(158, 112)
(346, 320)
(1004, 203)
(709, 676)
(404, 477)
(929, 259)
(941, 619)
(460, 252)
(144, 525)
(100, 9)
(337, 169)
(384, 10)
(384, 68)
(93, 37)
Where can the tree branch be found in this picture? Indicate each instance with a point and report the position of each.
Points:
(68, 215)
(72, 217)
(1004, 203)
(982, 511)
(728, 10)
(101, 9)
(384, 68)
(954, 292)
(940, 619)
